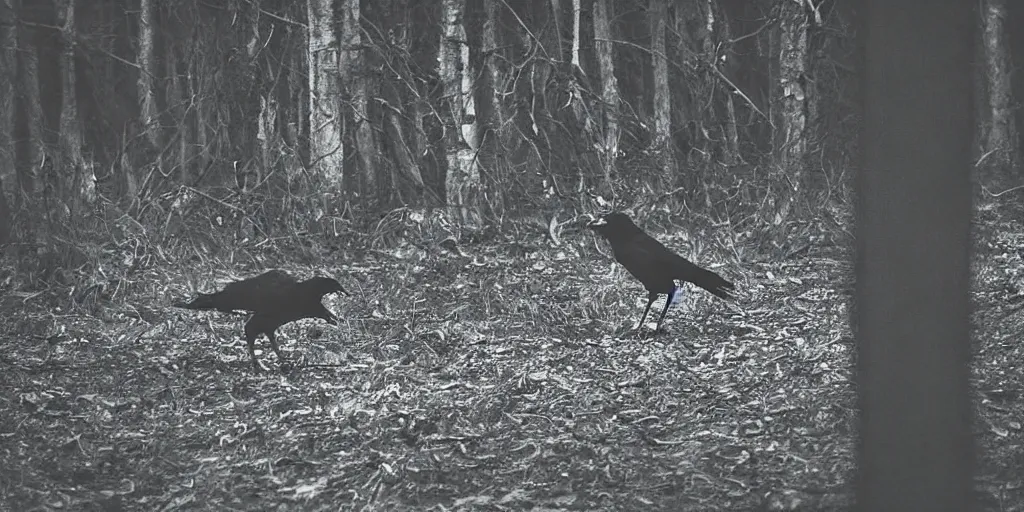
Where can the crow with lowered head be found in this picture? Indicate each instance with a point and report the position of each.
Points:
(274, 298)
(654, 265)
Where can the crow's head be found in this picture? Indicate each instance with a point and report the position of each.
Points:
(325, 285)
(614, 222)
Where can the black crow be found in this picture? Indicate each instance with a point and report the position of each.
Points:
(274, 298)
(653, 264)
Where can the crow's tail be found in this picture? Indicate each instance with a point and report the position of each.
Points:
(715, 284)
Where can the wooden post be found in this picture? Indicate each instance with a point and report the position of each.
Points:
(913, 219)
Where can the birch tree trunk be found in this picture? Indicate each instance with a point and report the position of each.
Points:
(576, 8)
(609, 149)
(1000, 136)
(462, 182)
(326, 152)
(663, 146)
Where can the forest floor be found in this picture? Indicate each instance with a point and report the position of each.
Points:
(488, 376)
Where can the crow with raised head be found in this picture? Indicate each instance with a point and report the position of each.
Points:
(654, 265)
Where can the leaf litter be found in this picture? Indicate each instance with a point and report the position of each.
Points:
(494, 377)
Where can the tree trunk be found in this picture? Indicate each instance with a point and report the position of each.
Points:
(400, 149)
(244, 110)
(179, 106)
(462, 182)
(147, 99)
(1000, 136)
(6, 222)
(789, 54)
(8, 74)
(198, 89)
(608, 152)
(556, 24)
(402, 115)
(35, 157)
(356, 82)
(418, 109)
(266, 132)
(491, 50)
(576, 8)
(731, 152)
(83, 181)
(501, 140)
(662, 145)
(420, 145)
(298, 115)
(688, 27)
(542, 15)
(326, 152)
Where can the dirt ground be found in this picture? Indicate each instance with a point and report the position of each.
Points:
(499, 375)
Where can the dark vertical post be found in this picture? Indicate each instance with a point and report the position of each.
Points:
(5, 218)
(913, 219)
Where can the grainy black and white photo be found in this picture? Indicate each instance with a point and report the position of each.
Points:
(503, 255)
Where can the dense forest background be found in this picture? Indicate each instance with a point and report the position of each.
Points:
(284, 117)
